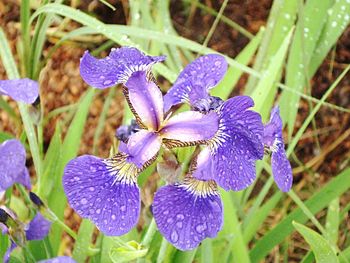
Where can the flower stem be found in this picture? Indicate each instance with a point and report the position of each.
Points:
(66, 228)
(152, 229)
(162, 251)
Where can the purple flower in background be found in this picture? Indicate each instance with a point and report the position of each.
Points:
(23, 90)
(230, 156)
(189, 212)
(37, 229)
(12, 165)
(62, 259)
(273, 141)
(105, 190)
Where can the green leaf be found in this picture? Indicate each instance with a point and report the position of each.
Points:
(266, 89)
(332, 221)
(335, 188)
(320, 247)
(82, 244)
(130, 251)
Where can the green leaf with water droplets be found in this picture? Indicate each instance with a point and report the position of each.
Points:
(320, 247)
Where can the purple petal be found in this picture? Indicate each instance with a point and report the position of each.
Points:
(281, 169)
(23, 90)
(146, 100)
(273, 129)
(196, 80)
(12, 164)
(62, 259)
(38, 228)
(191, 126)
(4, 229)
(7, 255)
(98, 190)
(142, 147)
(236, 147)
(115, 68)
(185, 216)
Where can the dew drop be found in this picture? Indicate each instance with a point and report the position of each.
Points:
(83, 201)
(174, 236)
(123, 208)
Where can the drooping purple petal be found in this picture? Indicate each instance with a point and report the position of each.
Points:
(23, 90)
(62, 259)
(142, 147)
(191, 126)
(235, 148)
(12, 164)
(273, 129)
(146, 100)
(115, 68)
(38, 228)
(196, 80)
(281, 169)
(104, 191)
(4, 229)
(6, 257)
(185, 216)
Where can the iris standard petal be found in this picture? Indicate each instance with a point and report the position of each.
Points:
(62, 259)
(12, 164)
(38, 228)
(23, 90)
(191, 127)
(185, 215)
(281, 168)
(196, 80)
(142, 147)
(104, 191)
(115, 68)
(145, 100)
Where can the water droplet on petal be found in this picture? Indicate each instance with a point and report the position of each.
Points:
(174, 236)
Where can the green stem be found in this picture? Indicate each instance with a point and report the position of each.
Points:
(28, 256)
(152, 229)
(162, 251)
(66, 228)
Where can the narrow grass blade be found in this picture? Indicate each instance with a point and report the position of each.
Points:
(332, 221)
(266, 89)
(82, 244)
(320, 247)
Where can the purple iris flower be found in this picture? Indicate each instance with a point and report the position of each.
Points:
(273, 141)
(229, 158)
(12, 165)
(23, 90)
(106, 190)
(188, 212)
(37, 229)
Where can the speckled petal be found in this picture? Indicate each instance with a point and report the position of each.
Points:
(281, 169)
(38, 228)
(191, 126)
(236, 147)
(146, 100)
(196, 80)
(96, 189)
(185, 218)
(115, 68)
(12, 164)
(23, 90)
(62, 259)
(273, 129)
(143, 146)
